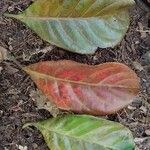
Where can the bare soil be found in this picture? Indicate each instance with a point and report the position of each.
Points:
(17, 105)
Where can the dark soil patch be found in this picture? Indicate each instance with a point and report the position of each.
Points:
(16, 103)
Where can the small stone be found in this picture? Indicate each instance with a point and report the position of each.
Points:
(11, 8)
(10, 41)
(22, 147)
(144, 80)
(10, 48)
(131, 108)
(141, 29)
(1, 112)
(137, 102)
(95, 58)
(137, 42)
(1, 70)
(144, 109)
(138, 66)
(139, 140)
(147, 132)
(35, 145)
(3, 54)
(145, 59)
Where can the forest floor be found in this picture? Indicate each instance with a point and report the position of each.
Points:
(17, 103)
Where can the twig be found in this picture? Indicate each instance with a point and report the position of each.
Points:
(144, 31)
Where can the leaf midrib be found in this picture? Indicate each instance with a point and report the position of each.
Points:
(21, 17)
(43, 76)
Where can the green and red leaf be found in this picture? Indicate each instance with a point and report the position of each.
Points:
(98, 90)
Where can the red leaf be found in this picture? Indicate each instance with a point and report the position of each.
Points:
(98, 90)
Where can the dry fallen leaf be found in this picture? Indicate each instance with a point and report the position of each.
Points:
(3, 54)
(43, 103)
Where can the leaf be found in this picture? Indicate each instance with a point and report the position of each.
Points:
(43, 103)
(80, 26)
(98, 90)
(82, 132)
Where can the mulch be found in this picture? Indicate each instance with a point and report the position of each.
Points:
(17, 105)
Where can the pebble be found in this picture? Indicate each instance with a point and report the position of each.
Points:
(1, 69)
(1, 113)
(3, 54)
(147, 132)
(137, 102)
(35, 145)
(22, 147)
(145, 59)
(144, 109)
(138, 66)
(10, 48)
(11, 8)
(131, 108)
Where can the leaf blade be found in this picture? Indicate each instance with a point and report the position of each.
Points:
(84, 132)
(80, 26)
(99, 90)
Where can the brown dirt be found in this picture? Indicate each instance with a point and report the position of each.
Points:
(17, 106)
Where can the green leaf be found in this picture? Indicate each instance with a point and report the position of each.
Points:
(82, 132)
(78, 25)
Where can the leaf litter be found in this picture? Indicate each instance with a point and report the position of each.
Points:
(132, 49)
